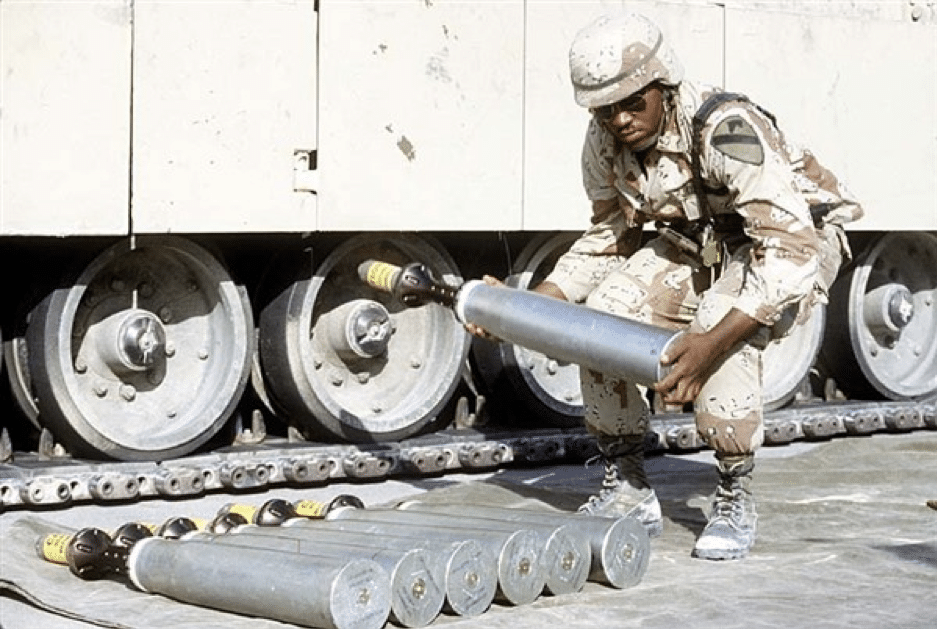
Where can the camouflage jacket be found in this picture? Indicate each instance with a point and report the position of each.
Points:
(748, 168)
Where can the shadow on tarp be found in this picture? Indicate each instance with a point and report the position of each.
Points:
(921, 554)
(683, 486)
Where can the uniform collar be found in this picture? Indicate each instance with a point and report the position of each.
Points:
(672, 138)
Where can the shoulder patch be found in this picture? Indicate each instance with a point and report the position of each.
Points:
(735, 138)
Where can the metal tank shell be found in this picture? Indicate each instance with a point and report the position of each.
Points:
(567, 332)
(566, 553)
(307, 591)
(416, 576)
(520, 570)
(471, 578)
(619, 547)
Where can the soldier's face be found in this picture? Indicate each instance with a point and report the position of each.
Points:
(636, 119)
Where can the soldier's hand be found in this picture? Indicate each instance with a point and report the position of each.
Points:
(692, 357)
(477, 330)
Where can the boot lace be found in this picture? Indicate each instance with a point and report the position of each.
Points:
(729, 503)
(610, 482)
(729, 506)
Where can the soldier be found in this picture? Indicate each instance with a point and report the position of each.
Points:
(749, 238)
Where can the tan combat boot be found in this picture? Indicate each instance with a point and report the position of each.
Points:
(730, 533)
(625, 488)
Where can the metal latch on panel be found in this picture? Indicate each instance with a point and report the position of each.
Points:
(305, 174)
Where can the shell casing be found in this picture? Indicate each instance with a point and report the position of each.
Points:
(566, 556)
(416, 575)
(305, 590)
(470, 577)
(564, 331)
(518, 551)
(620, 547)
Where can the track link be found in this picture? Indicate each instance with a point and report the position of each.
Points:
(30, 480)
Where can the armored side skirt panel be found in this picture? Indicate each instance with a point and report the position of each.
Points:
(368, 115)
(65, 122)
(224, 116)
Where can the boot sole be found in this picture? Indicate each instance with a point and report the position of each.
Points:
(719, 555)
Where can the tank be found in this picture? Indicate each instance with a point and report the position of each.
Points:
(188, 190)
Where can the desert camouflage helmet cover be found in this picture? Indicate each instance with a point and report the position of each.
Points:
(617, 55)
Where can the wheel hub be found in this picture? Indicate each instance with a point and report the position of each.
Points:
(131, 341)
(360, 329)
(888, 309)
(882, 338)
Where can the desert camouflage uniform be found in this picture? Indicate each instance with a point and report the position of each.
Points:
(775, 276)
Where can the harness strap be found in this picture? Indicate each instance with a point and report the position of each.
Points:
(696, 149)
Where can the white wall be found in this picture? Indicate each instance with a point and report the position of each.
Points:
(443, 115)
(64, 117)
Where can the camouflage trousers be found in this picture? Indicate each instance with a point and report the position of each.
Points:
(658, 285)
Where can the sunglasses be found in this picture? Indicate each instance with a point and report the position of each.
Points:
(633, 104)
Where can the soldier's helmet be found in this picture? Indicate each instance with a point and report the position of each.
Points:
(617, 55)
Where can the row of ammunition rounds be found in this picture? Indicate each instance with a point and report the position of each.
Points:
(341, 565)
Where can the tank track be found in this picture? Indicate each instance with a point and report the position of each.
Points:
(50, 478)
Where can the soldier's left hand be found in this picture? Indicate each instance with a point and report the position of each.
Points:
(477, 330)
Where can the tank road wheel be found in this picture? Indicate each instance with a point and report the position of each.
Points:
(882, 329)
(145, 356)
(344, 361)
(547, 388)
(788, 361)
(15, 359)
